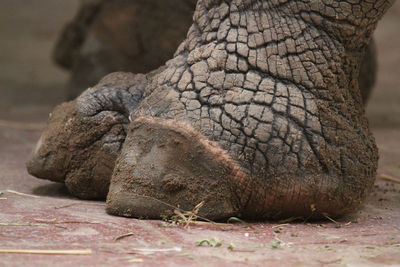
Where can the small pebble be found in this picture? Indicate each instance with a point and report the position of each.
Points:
(246, 234)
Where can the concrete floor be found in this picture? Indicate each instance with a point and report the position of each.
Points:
(49, 218)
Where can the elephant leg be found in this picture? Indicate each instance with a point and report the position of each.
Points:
(120, 35)
(274, 84)
(258, 114)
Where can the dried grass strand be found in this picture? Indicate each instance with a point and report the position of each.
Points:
(389, 178)
(47, 252)
(20, 194)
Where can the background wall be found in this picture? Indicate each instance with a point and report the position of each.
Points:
(384, 108)
(31, 85)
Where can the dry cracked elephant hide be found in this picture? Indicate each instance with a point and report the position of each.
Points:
(138, 36)
(258, 115)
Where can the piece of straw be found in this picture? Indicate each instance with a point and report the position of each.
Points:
(390, 178)
(20, 194)
(47, 252)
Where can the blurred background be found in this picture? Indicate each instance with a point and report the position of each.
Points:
(31, 84)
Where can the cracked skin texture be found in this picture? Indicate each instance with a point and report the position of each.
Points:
(258, 114)
(104, 37)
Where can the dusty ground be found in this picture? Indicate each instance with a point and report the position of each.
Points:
(50, 219)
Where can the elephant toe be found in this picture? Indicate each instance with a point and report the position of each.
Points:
(165, 165)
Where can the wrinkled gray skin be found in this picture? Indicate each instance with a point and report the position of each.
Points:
(95, 44)
(259, 115)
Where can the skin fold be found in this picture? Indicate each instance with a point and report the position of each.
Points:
(259, 114)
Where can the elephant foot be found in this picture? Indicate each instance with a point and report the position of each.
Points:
(164, 165)
(258, 114)
(83, 137)
(62, 153)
